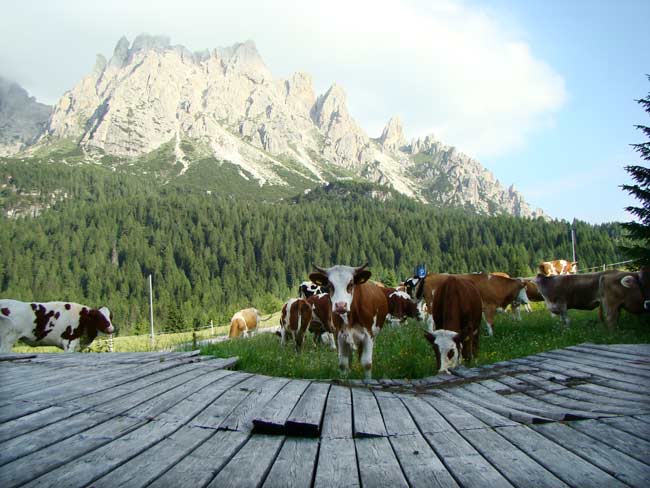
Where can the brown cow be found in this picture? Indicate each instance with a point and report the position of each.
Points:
(243, 322)
(630, 291)
(580, 292)
(361, 305)
(400, 305)
(323, 322)
(294, 321)
(457, 306)
(558, 267)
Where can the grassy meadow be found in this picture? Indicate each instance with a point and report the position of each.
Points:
(402, 351)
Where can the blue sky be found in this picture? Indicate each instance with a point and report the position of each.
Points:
(540, 92)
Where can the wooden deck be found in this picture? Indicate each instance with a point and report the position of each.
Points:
(579, 416)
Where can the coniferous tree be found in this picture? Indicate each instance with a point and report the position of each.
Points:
(640, 231)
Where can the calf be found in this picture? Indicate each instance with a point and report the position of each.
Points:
(400, 305)
(294, 321)
(362, 306)
(447, 348)
(323, 323)
(630, 291)
(66, 325)
(457, 306)
(558, 267)
(243, 322)
(580, 292)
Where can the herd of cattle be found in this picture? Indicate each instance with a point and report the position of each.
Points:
(342, 307)
(346, 310)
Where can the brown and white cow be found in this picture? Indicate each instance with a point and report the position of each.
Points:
(361, 305)
(564, 292)
(400, 306)
(244, 322)
(69, 326)
(457, 306)
(308, 289)
(446, 347)
(626, 290)
(294, 321)
(558, 267)
(324, 324)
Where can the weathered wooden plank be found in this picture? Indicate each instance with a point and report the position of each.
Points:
(337, 420)
(214, 414)
(241, 471)
(458, 417)
(273, 416)
(613, 350)
(616, 463)
(33, 421)
(368, 421)
(605, 353)
(200, 466)
(306, 417)
(644, 418)
(397, 419)
(571, 469)
(630, 425)
(420, 463)
(378, 465)
(86, 468)
(618, 439)
(242, 417)
(425, 416)
(31, 466)
(602, 363)
(149, 464)
(636, 349)
(295, 464)
(468, 467)
(590, 401)
(485, 415)
(516, 466)
(337, 464)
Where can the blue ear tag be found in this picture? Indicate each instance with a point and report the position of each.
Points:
(420, 271)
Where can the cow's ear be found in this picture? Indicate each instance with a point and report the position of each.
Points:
(319, 278)
(362, 276)
(628, 281)
(430, 337)
(456, 339)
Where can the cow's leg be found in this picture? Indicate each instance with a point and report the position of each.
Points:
(331, 341)
(367, 344)
(283, 339)
(7, 341)
(490, 312)
(345, 353)
(564, 315)
(527, 307)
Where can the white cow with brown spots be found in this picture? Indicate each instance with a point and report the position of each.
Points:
(69, 326)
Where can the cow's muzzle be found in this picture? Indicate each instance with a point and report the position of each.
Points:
(110, 329)
(340, 308)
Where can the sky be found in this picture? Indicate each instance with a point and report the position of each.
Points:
(541, 92)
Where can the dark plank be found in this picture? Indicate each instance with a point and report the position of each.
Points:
(378, 465)
(368, 421)
(273, 416)
(619, 465)
(582, 402)
(248, 468)
(630, 425)
(337, 420)
(396, 417)
(242, 417)
(337, 464)
(618, 439)
(200, 466)
(570, 468)
(420, 463)
(306, 417)
(295, 465)
(516, 466)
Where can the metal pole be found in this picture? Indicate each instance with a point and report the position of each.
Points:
(211, 328)
(573, 244)
(151, 309)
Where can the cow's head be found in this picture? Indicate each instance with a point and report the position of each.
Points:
(106, 325)
(642, 281)
(547, 269)
(308, 289)
(447, 347)
(522, 297)
(340, 280)
(572, 267)
(414, 287)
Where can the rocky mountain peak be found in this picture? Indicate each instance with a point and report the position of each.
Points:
(392, 137)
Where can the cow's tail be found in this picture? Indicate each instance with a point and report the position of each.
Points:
(265, 319)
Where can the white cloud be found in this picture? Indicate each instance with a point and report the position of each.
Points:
(443, 66)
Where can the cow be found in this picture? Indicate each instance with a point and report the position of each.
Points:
(400, 306)
(558, 267)
(520, 299)
(308, 289)
(563, 292)
(362, 306)
(243, 322)
(66, 325)
(447, 348)
(630, 291)
(457, 306)
(294, 321)
(324, 324)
